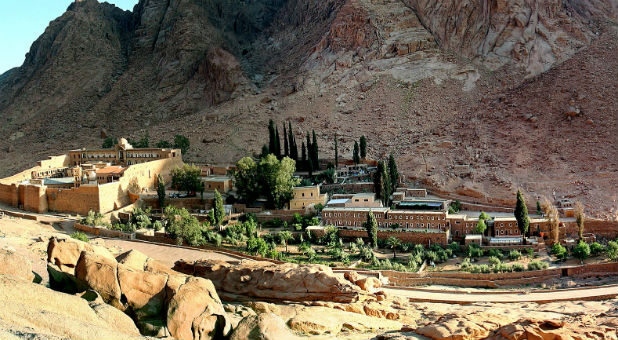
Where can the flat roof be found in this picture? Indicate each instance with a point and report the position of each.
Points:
(414, 203)
(378, 209)
(474, 236)
(112, 169)
(61, 180)
(216, 178)
(338, 201)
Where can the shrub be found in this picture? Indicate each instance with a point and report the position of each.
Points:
(92, 219)
(157, 225)
(485, 269)
(559, 251)
(581, 251)
(529, 252)
(399, 267)
(496, 253)
(431, 256)
(454, 247)
(465, 263)
(494, 261)
(474, 251)
(612, 250)
(80, 236)
(596, 249)
(514, 255)
(518, 267)
(537, 265)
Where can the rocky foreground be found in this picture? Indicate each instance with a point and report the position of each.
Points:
(101, 296)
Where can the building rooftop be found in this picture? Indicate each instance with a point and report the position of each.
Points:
(111, 170)
(58, 181)
(366, 209)
(216, 178)
(337, 201)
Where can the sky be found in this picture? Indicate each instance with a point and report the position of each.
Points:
(23, 21)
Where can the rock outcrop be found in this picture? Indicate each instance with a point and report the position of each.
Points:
(265, 326)
(15, 265)
(33, 311)
(283, 282)
(160, 301)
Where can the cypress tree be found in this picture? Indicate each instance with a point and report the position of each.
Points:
(382, 186)
(277, 150)
(286, 148)
(336, 153)
(377, 181)
(265, 151)
(314, 151)
(372, 229)
(310, 167)
(219, 211)
(392, 172)
(271, 136)
(363, 147)
(521, 214)
(292, 142)
(309, 147)
(304, 152)
(355, 156)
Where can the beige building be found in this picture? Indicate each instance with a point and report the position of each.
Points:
(307, 196)
(122, 153)
(222, 184)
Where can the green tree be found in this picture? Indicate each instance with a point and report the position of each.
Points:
(521, 214)
(161, 191)
(393, 173)
(314, 151)
(277, 149)
(372, 229)
(559, 251)
(596, 249)
(163, 144)
(265, 151)
(218, 209)
(181, 142)
(303, 153)
(285, 236)
(286, 147)
(187, 179)
(272, 145)
(182, 226)
(579, 219)
(109, 142)
(484, 216)
(480, 227)
(292, 143)
(382, 184)
(144, 142)
(257, 246)
(276, 180)
(363, 147)
(336, 153)
(355, 156)
(246, 180)
(539, 210)
(581, 251)
(393, 243)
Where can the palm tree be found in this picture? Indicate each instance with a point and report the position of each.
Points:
(284, 236)
(393, 242)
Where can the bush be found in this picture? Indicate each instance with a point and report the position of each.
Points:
(596, 249)
(485, 269)
(465, 263)
(93, 219)
(514, 255)
(529, 252)
(454, 247)
(157, 225)
(431, 256)
(612, 250)
(474, 251)
(518, 267)
(537, 265)
(80, 236)
(494, 261)
(581, 251)
(496, 253)
(559, 251)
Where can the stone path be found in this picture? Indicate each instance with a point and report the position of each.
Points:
(459, 297)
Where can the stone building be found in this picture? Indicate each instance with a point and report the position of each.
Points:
(307, 196)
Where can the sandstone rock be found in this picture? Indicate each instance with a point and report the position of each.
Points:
(369, 284)
(62, 281)
(153, 327)
(144, 291)
(323, 320)
(287, 281)
(351, 276)
(265, 326)
(15, 265)
(195, 312)
(101, 274)
(133, 259)
(552, 329)
(64, 253)
(38, 312)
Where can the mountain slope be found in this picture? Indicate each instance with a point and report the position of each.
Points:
(449, 83)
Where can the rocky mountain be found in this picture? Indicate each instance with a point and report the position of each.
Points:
(445, 85)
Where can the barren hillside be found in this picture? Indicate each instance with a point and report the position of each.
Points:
(518, 93)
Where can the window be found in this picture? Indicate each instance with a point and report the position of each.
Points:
(303, 194)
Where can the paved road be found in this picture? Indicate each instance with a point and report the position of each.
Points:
(596, 293)
(169, 254)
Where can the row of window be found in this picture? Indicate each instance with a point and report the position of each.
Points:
(338, 223)
(390, 217)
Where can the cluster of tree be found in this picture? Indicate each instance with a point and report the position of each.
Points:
(385, 180)
(187, 179)
(270, 177)
(362, 148)
(309, 158)
(584, 250)
(180, 142)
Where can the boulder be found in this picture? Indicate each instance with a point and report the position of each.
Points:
(64, 253)
(61, 280)
(351, 276)
(196, 312)
(101, 274)
(265, 326)
(144, 291)
(552, 329)
(369, 284)
(15, 265)
(133, 259)
(324, 320)
(282, 282)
